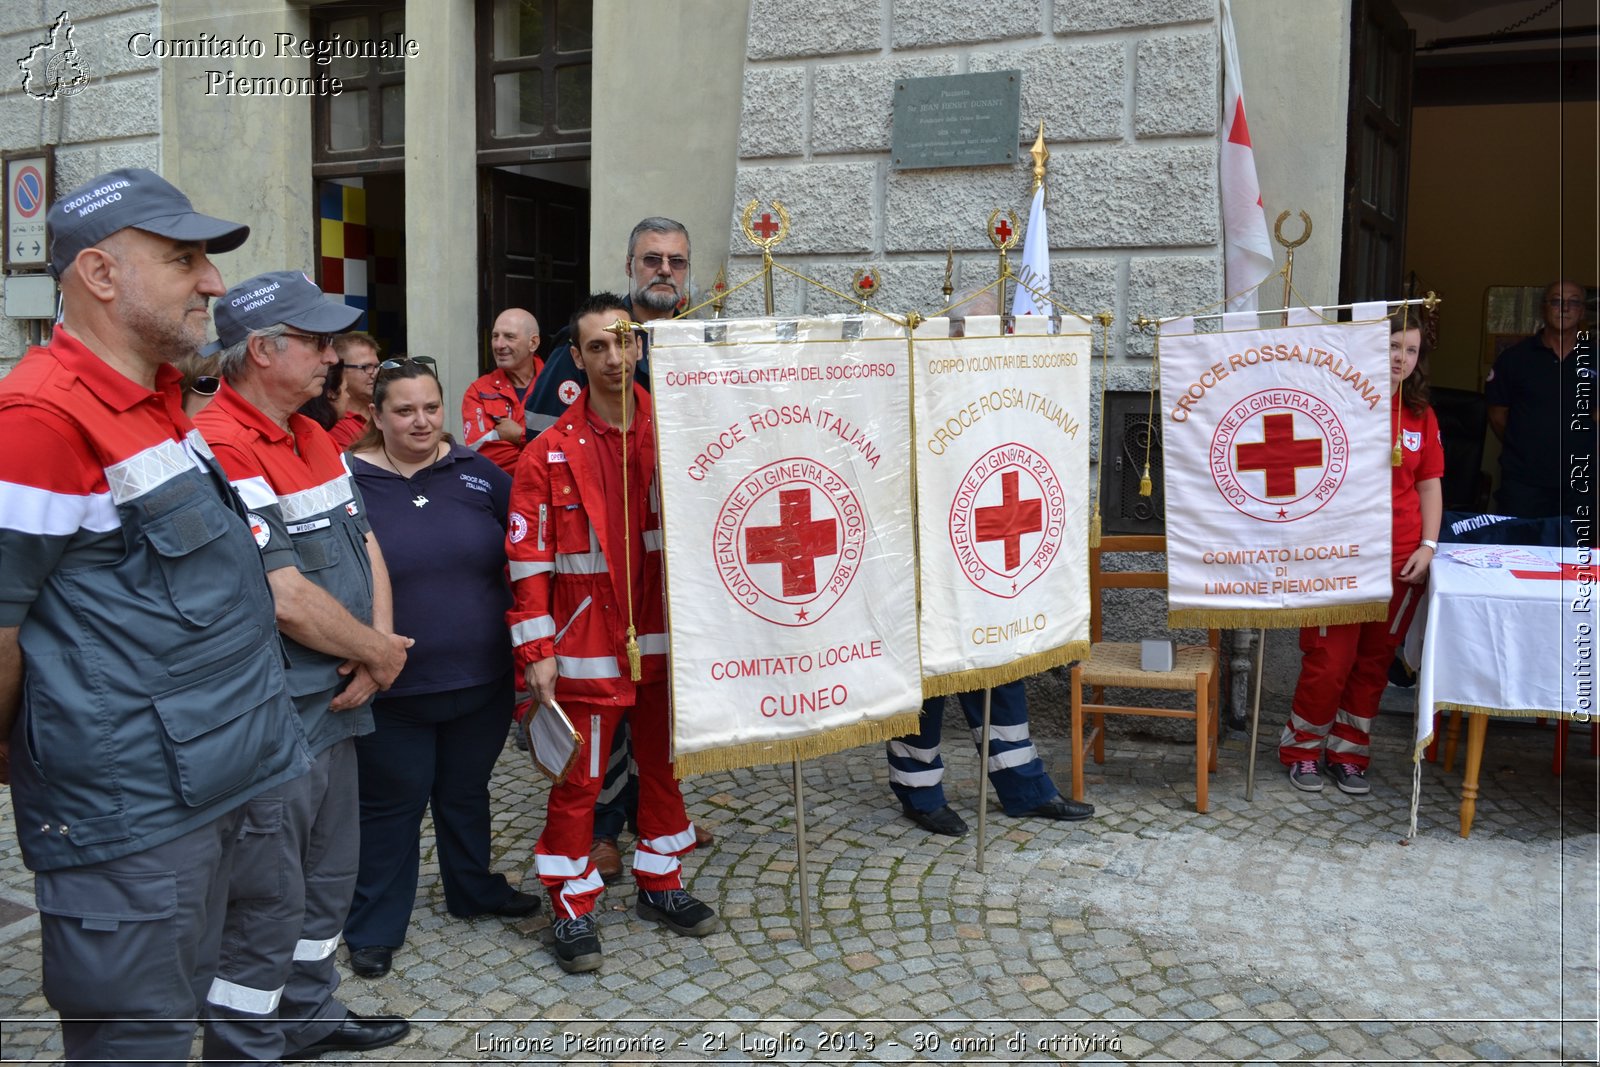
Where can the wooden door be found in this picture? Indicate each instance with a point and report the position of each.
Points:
(1378, 152)
(537, 242)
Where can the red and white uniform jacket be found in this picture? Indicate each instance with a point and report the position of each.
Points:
(568, 579)
(488, 400)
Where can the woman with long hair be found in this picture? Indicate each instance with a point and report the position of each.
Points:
(1344, 668)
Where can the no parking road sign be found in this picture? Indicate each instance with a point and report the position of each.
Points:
(28, 192)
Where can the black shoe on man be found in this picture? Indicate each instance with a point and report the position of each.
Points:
(357, 1033)
(938, 821)
(373, 961)
(679, 911)
(577, 943)
(1060, 808)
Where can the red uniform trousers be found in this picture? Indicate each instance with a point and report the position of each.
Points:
(1343, 673)
(665, 834)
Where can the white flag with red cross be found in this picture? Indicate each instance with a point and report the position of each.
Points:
(786, 511)
(1246, 244)
(1002, 460)
(1277, 447)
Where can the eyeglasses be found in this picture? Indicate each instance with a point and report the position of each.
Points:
(364, 368)
(205, 385)
(319, 341)
(653, 261)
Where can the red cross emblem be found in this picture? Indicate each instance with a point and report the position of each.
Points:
(789, 540)
(795, 544)
(1011, 497)
(1003, 231)
(1009, 520)
(1263, 443)
(765, 226)
(1280, 454)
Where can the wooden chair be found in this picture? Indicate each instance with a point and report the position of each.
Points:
(1113, 663)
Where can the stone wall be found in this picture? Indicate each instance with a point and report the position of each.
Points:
(1129, 94)
(114, 121)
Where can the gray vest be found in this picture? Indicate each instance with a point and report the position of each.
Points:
(331, 550)
(154, 694)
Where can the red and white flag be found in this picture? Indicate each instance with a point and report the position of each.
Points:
(1247, 247)
(1033, 280)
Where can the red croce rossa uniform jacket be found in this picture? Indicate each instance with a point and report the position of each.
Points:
(570, 600)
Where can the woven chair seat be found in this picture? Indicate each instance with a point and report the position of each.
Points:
(1117, 663)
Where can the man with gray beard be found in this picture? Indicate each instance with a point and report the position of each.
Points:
(658, 284)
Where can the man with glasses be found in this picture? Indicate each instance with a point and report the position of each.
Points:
(1541, 394)
(358, 358)
(657, 266)
(295, 871)
(131, 596)
(492, 411)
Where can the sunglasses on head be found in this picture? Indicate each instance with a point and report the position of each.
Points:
(427, 363)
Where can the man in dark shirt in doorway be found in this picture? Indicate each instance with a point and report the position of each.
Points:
(1541, 396)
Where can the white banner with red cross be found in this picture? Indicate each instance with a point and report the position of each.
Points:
(1002, 448)
(786, 508)
(1277, 445)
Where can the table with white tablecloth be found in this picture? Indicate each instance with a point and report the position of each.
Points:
(1503, 630)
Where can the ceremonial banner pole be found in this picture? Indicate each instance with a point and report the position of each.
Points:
(1261, 634)
(764, 234)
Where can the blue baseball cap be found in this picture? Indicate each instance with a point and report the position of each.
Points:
(285, 297)
(137, 198)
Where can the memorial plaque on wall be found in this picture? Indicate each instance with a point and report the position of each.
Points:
(959, 120)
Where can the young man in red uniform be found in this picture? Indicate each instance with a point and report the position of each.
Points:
(1345, 668)
(492, 410)
(585, 551)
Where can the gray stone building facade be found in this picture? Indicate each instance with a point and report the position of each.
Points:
(744, 99)
(1128, 94)
(118, 125)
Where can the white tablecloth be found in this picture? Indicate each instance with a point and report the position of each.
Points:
(1514, 635)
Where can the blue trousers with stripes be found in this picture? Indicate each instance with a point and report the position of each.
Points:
(916, 771)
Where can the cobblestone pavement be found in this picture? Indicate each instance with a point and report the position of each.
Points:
(1298, 927)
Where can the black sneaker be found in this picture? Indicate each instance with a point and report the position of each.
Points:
(1349, 778)
(678, 910)
(577, 944)
(938, 821)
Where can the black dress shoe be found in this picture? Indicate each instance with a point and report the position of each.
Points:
(1061, 808)
(520, 905)
(373, 961)
(517, 906)
(939, 821)
(358, 1033)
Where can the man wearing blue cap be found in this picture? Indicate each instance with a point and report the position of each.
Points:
(134, 603)
(295, 870)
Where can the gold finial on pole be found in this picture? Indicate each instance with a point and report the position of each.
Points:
(764, 234)
(1288, 251)
(1041, 157)
(1004, 234)
(865, 283)
(719, 291)
(949, 270)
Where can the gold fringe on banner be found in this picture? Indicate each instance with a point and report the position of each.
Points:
(761, 753)
(1276, 618)
(988, 677)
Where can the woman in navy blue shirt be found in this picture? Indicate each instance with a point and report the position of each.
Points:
(439, 513)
